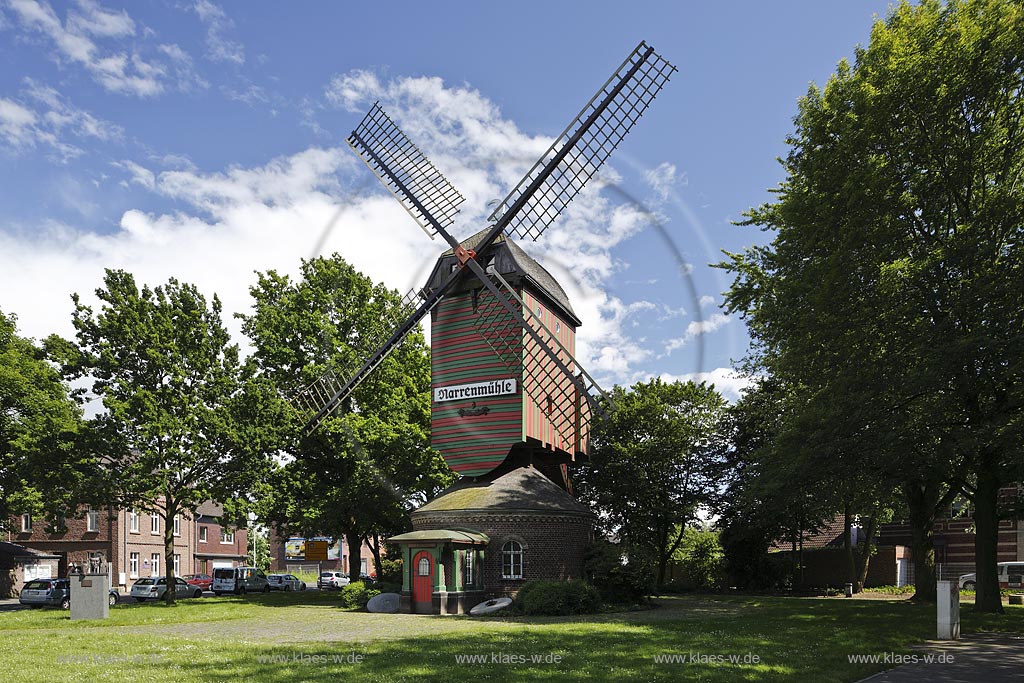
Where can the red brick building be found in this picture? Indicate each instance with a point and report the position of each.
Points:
(132, 541)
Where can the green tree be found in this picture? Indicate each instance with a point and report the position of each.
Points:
(890, 291)
(358, 475)
(181, 424)
(656, 461)
(45, 465)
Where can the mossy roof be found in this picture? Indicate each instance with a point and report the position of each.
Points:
(524, 489)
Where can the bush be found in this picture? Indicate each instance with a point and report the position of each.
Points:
(700, 562)
(557, 598)
(617, 582)
(390, 571)
(357, 595)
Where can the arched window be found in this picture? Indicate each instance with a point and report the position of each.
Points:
(423, 569)
(512, 560)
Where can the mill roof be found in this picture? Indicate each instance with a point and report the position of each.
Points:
(513, 264)
(523, 489)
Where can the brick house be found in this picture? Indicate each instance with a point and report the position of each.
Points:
(19, 565)
(131, 541)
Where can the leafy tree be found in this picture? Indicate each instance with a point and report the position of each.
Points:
(181, 422)
(890, 292)
(358, 475)
(656, 461)
(44, 466)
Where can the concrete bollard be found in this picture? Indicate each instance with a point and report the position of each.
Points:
(89, 595)
(849, 590)
(948, 606)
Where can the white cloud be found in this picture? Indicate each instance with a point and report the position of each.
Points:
(707, 300)
(729, 383)
(219, 47)
(697, 328)
(118, 69)
(44, 118)
(663, 179)
(233, 221)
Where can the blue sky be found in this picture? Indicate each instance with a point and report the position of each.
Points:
(206, 141)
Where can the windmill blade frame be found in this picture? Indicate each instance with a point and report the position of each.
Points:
(586, 143)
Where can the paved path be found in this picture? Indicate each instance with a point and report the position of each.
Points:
(988, 657)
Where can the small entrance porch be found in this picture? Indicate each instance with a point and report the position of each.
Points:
(441, 570)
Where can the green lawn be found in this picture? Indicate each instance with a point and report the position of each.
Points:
(236, 639)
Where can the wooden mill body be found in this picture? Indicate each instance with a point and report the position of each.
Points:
(544, 417)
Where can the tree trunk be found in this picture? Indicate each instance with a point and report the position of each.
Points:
(865, 556)
(986, 538)
(169, 513)
(355, 556)
(921, 503)
(373, 542)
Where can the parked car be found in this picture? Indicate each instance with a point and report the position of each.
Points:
(240, 580)
(54, 593)
(332, 580)
(203, 581)
(1011, 575)
(286, 582)
(153, 588)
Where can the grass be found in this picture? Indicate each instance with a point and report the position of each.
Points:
(238, 639)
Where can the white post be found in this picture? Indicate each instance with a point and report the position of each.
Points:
(948, 604)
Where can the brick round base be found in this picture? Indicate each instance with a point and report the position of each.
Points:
(553, 542)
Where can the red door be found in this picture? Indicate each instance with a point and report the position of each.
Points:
(422, 582)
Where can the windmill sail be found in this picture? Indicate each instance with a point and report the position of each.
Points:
(586, 143)
(424, 192)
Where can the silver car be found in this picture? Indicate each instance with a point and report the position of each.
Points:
(286, 582)
(1011, 575)
(153, 588)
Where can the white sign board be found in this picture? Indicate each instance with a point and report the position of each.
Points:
(497, 387)
(37, 571)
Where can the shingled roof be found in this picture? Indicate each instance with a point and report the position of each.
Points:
(515, 265)
(523, 489)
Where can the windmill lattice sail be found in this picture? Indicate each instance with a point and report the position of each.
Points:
(586, 143)
(405, 171)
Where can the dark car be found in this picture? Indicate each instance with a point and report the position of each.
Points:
(203, 581)
(53, 593)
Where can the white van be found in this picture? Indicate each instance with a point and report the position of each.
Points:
(239, 580)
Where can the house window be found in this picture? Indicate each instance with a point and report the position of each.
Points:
(133, 565)
(227, 536)
(177, 525)
(154, 524)
(202, 534)
(60, 522)
(154, 570)
(26, 524)
(423, 568)
(512, 560)
(467, 568)
(177, 564)
(92, 520)
(133, 522)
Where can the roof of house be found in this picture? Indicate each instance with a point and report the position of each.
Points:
(523, 489)
(442, 536)
(827, 535)
(512, 263)
(20, 551)
(210, 509)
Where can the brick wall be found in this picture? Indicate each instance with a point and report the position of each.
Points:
(553, 544)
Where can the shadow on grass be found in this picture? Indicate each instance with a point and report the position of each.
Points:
(762, 640)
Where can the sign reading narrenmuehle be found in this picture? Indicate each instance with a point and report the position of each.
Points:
(497, 387)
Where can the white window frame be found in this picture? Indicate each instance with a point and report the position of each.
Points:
(512, 555)
(26, 523)
(133, 521)
(92, 520)
(468, 568)
(227, 537)
(177, 525)
(177, 564)
(154, 569)
(133, 565)
(154, 524)
(203, 533)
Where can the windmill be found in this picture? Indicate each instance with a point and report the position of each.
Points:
(504, 376)
(548, 371)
